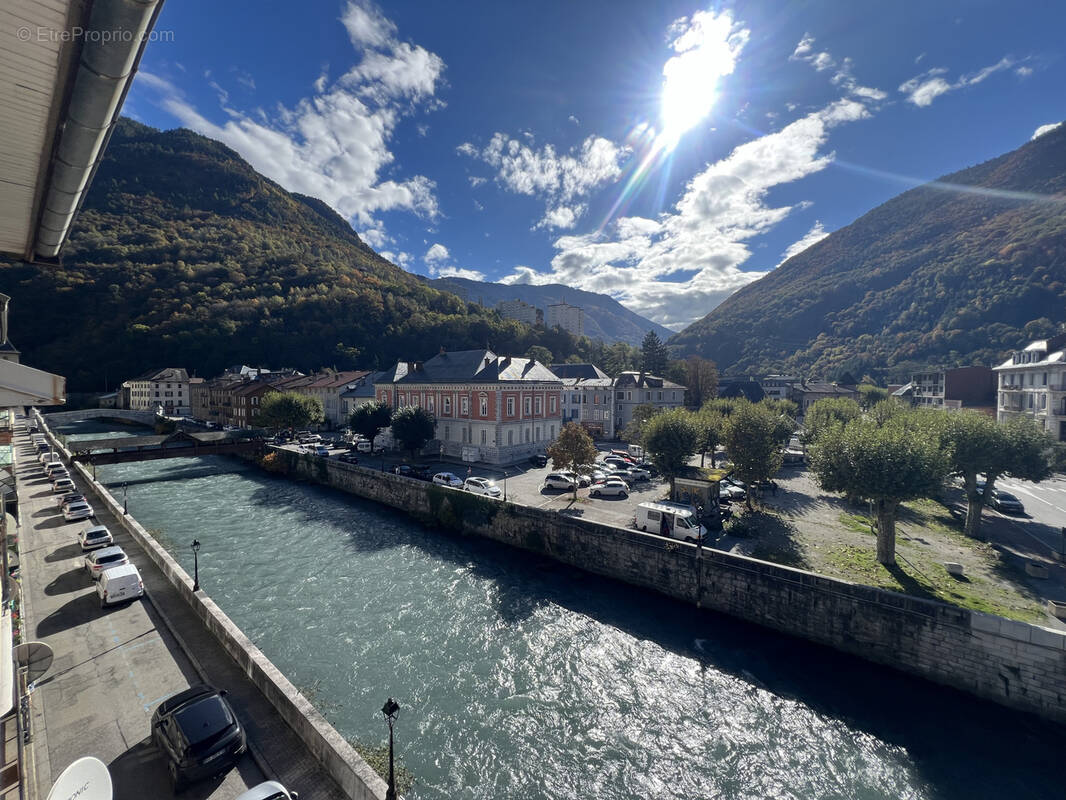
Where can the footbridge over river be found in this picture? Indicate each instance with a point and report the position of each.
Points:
(120, 414)
(180, 444)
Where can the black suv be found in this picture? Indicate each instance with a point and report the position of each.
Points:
(198, 734)
(539, 460)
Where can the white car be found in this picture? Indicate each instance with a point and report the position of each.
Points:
(271, 790)
(612, 487)
(482, 486)
(639, 474)
(96, 536)
(63, 486)
(76, 511)
(321, 450)
(448, 479)
(364, 446)
(99, 560)
(558, 480)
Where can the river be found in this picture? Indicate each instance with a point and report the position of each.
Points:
(521, 678)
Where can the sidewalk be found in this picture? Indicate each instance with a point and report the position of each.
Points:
(114, 666)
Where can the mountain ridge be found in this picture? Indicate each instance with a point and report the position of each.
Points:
(954, 272)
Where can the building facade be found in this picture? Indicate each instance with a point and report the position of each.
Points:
(570, 318)
(166, 389)
(521, 311)
(952, 389)
(632, 389)
(1032, 383)
(587, 398)
(779, 387)
(804, 394)
(490, 408)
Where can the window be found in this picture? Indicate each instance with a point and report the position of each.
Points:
(536, 434)
(620, 396)
(629, 395)
(575, 398)
(483, 408)
(660, 396)
(510, 437)
(1044, 381)
(464, 405)
(1043, 401)
(551, 404)
(484, 437)
(1030, 401)
(510, 407)
(527, 435)
(447, 432)
(538, 406)
(528, 404)
(446, 405)
(552, 434)
(430, 405)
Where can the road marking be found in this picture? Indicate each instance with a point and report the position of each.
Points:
(1029, 493)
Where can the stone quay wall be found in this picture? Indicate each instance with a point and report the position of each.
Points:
(1016, 664)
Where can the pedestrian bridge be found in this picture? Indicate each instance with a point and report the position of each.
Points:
(175, 445)
(124, 414)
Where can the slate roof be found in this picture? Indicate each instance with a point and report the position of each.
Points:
(365, 386)
(579, 371)
(174, 374)
(472, 366)
(824, 388)
(644, 381)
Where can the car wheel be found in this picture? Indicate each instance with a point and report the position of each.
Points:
(624, 495)
(594, 493)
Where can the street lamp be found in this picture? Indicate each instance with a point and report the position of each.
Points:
(390, 710)
(505, 486)
(195, 565)
(125, 504)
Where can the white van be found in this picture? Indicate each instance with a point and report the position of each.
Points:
(118, 584)
(670, 519)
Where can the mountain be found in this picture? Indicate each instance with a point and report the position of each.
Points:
(956, 272)
(183, 255)
(605, 318)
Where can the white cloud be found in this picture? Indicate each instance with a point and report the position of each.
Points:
(674, 269)
(456, 272)
(335, 144)
(559, 179)
(476, 181)
(573, 119)
(815, 234)
(401, 259)
(923, 89)
(436, 254)
(1046, 129)
(844, 76)
(1023, 72)
(805, 52)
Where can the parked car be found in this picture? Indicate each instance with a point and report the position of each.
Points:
(581, 479)
(612, 487)
(639, 473)
(448, 479)
(322, 450)
(1006, 502)
(63, 485)
(348, 458)
(364, 446)
(558, 480)
(118, 584)
(53, 465)
(198, 734)
(96, 536)
(482, 486)
(99, 560)
(77, 510)
(72, 497)
(676, 520)
(406, 470)
(597, 475)
(271, 790)
(538, 460)
(617, 461)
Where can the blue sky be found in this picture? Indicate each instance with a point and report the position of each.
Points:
(664, 153)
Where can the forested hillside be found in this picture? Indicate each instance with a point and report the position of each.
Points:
(183, 255)
(955, 272)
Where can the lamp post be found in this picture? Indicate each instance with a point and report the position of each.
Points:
(125, 505)
(390, 710)
(195, 565)
(505, 486)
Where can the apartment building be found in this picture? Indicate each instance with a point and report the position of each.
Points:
(521, 311)
(952, 389)
(570, 318)
(587, 398)
(164, 389)
(632, 389)
(1032, 383)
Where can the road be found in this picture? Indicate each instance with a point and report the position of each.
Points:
(1045, 506)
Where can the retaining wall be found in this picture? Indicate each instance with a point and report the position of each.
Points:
(338, 758)
(1015, 664)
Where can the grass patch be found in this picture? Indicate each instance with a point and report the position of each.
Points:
(859, 523)
(931, 580)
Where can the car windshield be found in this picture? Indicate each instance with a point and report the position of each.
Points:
(110, 559)
(1006, 496)
(682, 522)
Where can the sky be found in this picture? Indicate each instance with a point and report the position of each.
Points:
(665, 153)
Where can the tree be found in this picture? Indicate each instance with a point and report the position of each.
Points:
(412, 427)
(370, 419)
(701, 380)
(572, 450)
(671, 438)
(539, 353)
(886, 464)
(711, 426)
(654, 354)
(826, 413)
(634, 430)
(619, 358)
(870, 395)
(752, 437)
(289, 410)
(846, 379)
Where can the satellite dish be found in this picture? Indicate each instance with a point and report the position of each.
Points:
(85, 779)
(35, 658)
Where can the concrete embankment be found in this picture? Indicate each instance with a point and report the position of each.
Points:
(337, 758)
(1016, 664)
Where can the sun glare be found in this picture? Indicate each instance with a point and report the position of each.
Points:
(707, 47)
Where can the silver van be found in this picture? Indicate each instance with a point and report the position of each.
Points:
(118, 584)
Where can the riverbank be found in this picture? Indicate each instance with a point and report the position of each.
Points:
(1018, 665)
